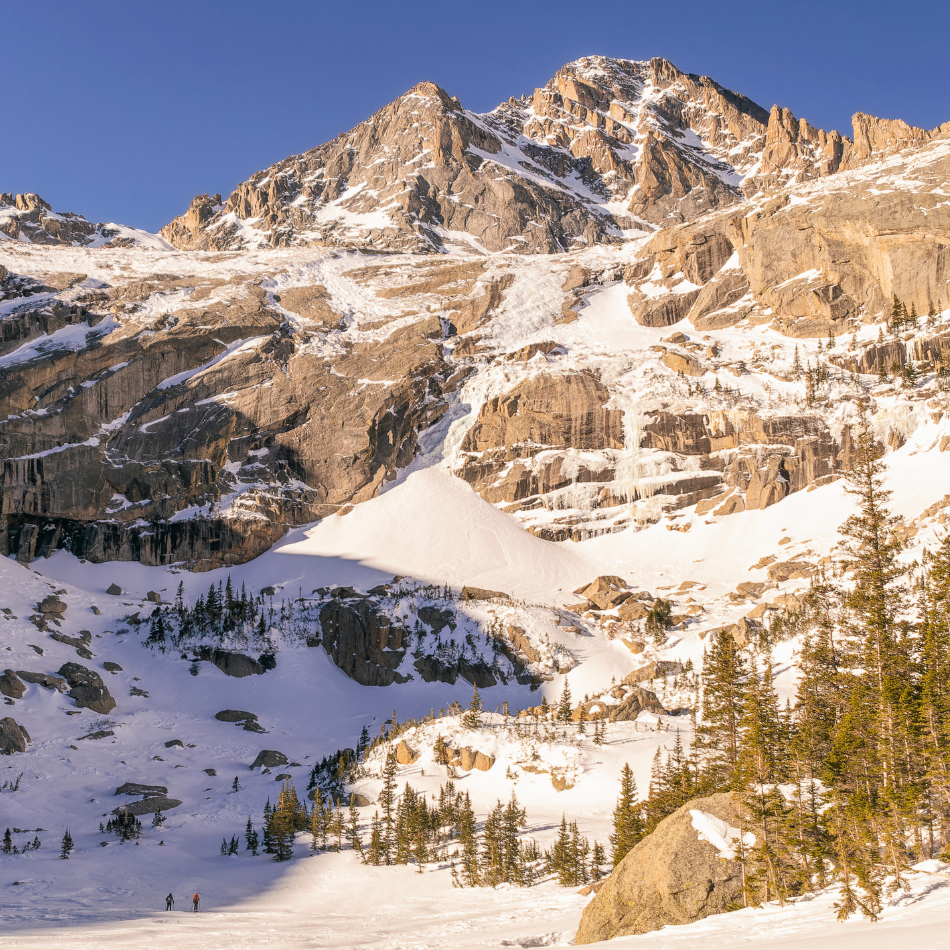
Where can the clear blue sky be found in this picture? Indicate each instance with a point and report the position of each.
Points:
(122, 111)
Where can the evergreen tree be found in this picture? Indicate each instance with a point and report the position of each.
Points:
(472, 718)
(387, 802)
(353, 828)
(468, 837)
(724, 677)
(250, 838)
(628, 822)
(66, 845)
(7, 847)
(564, 706)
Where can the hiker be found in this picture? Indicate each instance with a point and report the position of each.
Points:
(195, 900)
(169, 902)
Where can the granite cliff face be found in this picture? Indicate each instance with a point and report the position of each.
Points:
(703, 280)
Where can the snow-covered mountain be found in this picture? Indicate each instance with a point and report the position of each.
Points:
(30, 219)
(607, 148)
(452, 399)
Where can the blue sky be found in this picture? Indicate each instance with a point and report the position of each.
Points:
(122, 111)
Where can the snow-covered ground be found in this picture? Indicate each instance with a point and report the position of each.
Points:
(111, 895)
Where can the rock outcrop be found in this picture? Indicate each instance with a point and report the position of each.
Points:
(268, 759)
(673, 876)
(363, 642)
(231, 664)
(88, 690)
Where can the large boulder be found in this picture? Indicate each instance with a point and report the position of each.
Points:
(52, 605)
(10, 685)
(234, 715)
(268, 759)
(684, 871)
(88, 690)
(13, 737)
(232, 664)
(635, 702)
(43, 679)
(148, 806)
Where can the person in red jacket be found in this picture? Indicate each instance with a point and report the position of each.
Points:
(195, 900)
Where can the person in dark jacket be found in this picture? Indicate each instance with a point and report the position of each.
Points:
(195, 900)
(169, 902)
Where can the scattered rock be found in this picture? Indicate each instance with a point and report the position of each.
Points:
(137, 691)
(483, 762)
(269, 758)
(154, 597)
(77, 643)
(790, 570)
(13, 737)
(670, 877)
(100, 734)
(10, 685)
(174, 742)
(212, 772)
(114, 590)
(111, 667)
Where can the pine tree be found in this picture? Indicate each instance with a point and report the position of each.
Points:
(597, 862)
(468, 837)
(7, 847)
(724, 677)
(250, 838)
(564, 706)
(318, 833)
(353, 828)
(66, 845)
(472, 718)
(387, 802)
(235, 785)
(628, 822)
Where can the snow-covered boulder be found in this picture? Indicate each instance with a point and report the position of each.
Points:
(684, 871)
